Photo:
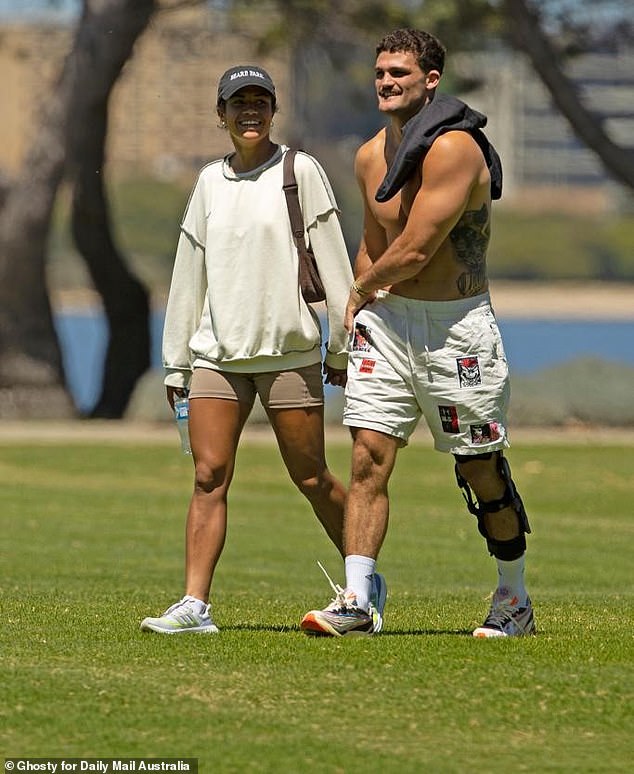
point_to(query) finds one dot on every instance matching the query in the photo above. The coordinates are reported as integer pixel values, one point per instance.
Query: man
(425, 340)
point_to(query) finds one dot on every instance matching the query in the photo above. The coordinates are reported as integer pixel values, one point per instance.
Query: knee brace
(506, 550)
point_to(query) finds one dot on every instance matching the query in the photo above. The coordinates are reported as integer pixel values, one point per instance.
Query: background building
(163, 109)
(543, 160)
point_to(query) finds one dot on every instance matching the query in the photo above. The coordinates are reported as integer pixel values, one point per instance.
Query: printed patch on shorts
(449, 419)
(469, 371)
(486, 433)
(367, 365)
(362, 341)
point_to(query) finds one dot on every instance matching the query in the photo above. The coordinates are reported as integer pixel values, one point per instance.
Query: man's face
(402, 87)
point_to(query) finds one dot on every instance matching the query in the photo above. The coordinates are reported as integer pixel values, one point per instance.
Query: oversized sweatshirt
(234, 302)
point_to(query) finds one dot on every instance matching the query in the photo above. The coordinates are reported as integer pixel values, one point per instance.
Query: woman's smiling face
(248, 113)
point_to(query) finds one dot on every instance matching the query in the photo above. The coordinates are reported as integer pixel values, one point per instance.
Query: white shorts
(443, 360)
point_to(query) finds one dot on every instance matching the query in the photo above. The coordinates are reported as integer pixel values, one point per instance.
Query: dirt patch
(566, 300)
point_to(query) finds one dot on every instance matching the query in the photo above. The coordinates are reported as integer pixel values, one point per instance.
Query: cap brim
(234, 88)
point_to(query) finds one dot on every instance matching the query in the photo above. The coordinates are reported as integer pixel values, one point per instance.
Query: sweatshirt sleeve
(321, 216)
(187, 293)
(326, 240)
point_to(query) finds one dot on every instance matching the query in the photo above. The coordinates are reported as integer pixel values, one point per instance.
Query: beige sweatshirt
(234, 302)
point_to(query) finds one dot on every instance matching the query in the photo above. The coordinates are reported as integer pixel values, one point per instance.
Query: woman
(236, 325)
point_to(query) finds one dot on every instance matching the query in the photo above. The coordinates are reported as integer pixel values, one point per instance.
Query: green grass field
(92, 541)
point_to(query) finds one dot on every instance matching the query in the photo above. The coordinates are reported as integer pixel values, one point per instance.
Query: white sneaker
(185, 616)
(341, 617)
(506, 618)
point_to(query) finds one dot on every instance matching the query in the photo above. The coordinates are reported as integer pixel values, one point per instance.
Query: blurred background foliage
(524, 246)
(328, 108)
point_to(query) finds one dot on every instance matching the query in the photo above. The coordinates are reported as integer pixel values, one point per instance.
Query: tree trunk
(105, 45)
(32, 382)
(125, 300)
(527, 35)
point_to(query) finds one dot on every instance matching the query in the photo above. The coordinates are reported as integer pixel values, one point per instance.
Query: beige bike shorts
(294, 388)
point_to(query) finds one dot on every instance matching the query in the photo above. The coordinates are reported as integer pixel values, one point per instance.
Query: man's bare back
(456, 264)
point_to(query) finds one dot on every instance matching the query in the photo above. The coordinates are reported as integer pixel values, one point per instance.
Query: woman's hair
(428, 50)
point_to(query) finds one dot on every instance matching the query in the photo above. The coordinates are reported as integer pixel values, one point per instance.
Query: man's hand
(357, 299)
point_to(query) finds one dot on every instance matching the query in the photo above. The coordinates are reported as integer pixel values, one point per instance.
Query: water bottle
(181, 412)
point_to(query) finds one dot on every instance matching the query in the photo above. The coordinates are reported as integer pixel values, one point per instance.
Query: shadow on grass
(316, 635)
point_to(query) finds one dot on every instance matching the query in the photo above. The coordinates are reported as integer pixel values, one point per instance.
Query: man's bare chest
(388, 215)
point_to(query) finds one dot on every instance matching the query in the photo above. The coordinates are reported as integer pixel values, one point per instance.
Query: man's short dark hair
(428, 50)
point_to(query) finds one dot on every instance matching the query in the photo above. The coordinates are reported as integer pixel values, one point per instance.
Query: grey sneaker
(341, 617)
(378, 596)
(185, 616)
(506, 618)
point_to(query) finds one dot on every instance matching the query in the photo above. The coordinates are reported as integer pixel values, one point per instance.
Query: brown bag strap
(310, 283)
(291, 192)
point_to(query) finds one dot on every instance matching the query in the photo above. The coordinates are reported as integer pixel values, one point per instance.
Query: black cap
(237, 78)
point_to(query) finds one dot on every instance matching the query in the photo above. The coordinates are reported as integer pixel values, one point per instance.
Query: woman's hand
(335, 376)
(173, 393)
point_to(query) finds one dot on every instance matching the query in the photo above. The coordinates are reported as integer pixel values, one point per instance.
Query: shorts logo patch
(469, 371)
(362, 341)
(486, 433)
(449, 419)
(367, 365)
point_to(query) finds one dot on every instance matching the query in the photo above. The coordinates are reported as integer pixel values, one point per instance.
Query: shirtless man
(425, 341)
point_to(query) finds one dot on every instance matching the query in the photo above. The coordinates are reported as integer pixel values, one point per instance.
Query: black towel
(443, 114)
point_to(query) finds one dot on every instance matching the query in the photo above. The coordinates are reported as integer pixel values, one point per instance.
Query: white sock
(511, 577)
(359, 572)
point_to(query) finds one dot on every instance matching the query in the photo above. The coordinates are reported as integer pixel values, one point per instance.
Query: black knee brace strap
(502, 549)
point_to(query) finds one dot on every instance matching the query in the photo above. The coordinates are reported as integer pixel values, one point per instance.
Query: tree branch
(528, 36)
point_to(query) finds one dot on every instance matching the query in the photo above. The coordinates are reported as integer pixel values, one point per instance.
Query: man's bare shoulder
(371, 151)
(455, 146)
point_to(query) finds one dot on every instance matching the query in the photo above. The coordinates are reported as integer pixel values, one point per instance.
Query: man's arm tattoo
(470, 239)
